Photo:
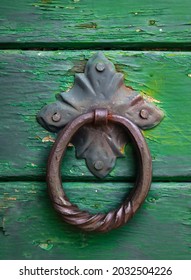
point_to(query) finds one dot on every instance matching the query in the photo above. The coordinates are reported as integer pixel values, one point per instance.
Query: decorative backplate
(99, 87)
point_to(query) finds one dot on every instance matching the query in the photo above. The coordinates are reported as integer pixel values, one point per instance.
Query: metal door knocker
(96, 115)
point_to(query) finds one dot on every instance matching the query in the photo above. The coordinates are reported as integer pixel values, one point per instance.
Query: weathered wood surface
(30, 79)
(30, 228)
(71, 22)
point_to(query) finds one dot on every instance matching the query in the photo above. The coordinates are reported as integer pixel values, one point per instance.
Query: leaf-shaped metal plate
(99, 87)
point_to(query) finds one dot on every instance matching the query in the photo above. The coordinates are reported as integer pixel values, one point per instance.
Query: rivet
(98, 165)
(100, 66)
(56, 117)
(144, 114)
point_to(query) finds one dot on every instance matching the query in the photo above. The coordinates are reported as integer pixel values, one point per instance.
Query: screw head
(98, 165)
(144, 114)
(100, 67)
(56, 117)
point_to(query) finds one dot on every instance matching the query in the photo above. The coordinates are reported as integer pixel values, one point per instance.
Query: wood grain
(160, 230)
(30, 79)
(70, 23)
(29, 227)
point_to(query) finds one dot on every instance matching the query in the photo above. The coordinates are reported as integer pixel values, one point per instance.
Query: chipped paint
(150, 99)
(32, 229)
(11, 198)
(70, 7)
(23, 146)
(32, 191)
(34, 165)
(48, 139)
(46, 246)
(70, 145)
(21, 19)
(88, 25)
(152, 22)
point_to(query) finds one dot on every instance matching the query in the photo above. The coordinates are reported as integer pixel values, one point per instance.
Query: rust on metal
(114, 219)
(99, 115)
(100, 86)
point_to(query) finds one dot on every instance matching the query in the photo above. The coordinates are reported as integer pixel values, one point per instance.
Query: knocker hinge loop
(100, 116)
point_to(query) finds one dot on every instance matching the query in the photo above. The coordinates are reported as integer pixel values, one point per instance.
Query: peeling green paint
(88, 21)
(153, 74)
(32, 229)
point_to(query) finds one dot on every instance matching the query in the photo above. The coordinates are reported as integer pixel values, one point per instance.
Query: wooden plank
(89, 21)
(30, 228)
(30, 79)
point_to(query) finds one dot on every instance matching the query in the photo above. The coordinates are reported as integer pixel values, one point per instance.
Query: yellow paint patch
(48, 139)
(150, 99)
(122, 149)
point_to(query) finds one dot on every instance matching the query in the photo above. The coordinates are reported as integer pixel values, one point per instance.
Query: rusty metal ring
(83, 219)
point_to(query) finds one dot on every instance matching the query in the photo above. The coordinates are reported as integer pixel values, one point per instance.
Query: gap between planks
(146, 46)
(92, 181)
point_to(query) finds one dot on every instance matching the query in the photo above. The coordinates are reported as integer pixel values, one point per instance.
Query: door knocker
(96, 115)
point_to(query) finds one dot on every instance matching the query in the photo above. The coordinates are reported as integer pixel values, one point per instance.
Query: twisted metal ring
(83, 219)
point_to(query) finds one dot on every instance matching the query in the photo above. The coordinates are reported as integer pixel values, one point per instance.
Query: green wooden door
(43, 44)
